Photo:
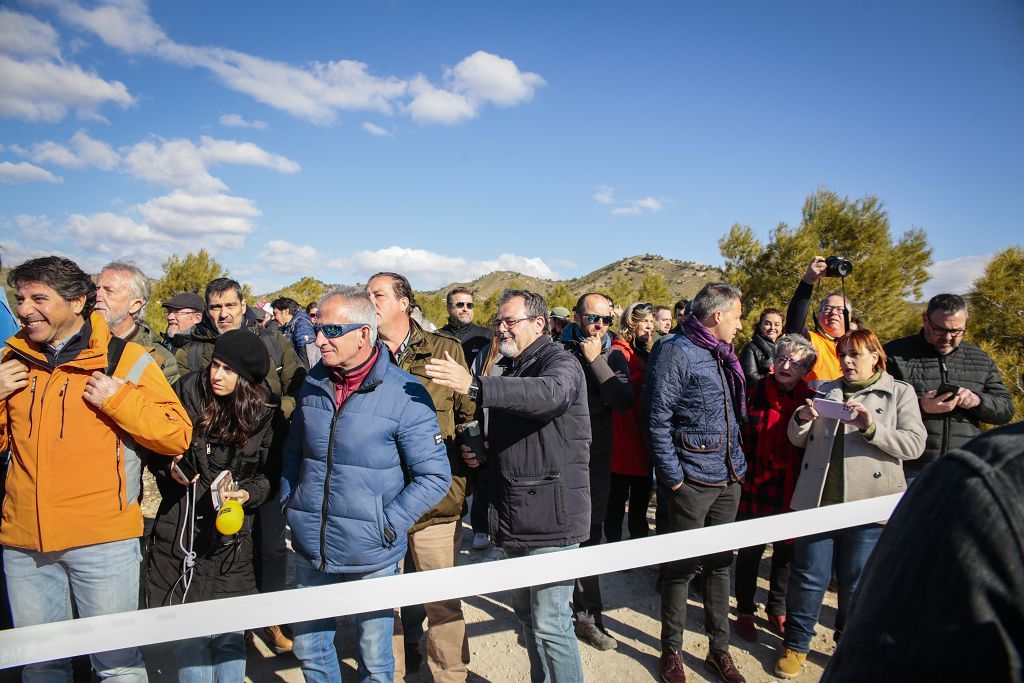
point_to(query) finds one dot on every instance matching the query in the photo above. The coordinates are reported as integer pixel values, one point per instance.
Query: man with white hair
(122, 292)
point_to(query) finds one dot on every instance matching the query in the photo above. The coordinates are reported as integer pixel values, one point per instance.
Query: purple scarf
(695, 331)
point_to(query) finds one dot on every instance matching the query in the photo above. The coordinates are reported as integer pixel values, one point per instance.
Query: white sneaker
(481, 541)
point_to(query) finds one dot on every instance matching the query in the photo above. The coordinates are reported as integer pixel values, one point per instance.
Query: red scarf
(346, 383)
(767, 422)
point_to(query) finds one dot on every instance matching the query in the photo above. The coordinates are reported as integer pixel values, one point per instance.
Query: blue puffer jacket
(692, 428)
(300, 331)
(345, 472)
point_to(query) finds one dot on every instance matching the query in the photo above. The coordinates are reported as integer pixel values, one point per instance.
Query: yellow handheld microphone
(229, 517)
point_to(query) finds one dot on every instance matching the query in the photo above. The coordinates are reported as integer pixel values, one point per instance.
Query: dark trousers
(586, 594)
(748, 562)
(271, 552)
(693, 506)
(636, 490)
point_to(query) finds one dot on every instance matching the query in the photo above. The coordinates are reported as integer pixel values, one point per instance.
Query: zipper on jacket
(117, 470)
(943, 376)
(327, 486)
(728, 425)
(32, 405)
(63, 403)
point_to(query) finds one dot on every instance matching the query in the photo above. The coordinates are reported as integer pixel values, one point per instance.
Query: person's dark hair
(536, 307)
(400, 284)
(578, 308)
(457, 290)
(61, 274)
(659, 309)
(681, 305)
(221, 285)
(771, 311)
(311, 305)
(231, 419)
(284, 303)
(714, 297)
(947, 303)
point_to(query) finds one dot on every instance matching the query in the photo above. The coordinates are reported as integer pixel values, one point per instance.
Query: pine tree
(653, 290)
(189, 274)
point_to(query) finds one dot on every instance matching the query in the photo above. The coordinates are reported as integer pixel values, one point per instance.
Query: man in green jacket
(435, 539)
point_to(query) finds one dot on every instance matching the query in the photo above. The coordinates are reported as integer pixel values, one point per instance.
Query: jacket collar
(92, 356)
(320, 376)
(886, 384)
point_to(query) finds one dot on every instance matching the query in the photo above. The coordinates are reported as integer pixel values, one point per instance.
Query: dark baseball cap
(186, 300)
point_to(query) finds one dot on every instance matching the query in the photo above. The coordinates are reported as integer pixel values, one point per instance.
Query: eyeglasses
(592, 318)
(783, 362)
(181, 311)
(464, 304)
(509, 323)
(335, 331)
(832, 309)
(945, 331)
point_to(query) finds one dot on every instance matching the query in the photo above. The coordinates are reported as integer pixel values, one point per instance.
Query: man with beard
(460, 324)
(184, 311)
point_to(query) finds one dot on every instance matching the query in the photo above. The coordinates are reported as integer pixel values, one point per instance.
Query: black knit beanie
(243, 352)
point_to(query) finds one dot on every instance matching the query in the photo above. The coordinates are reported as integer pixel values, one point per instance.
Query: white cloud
(434, 105)
(604, 194)
(637, 207)
(485, 77)
(184, 216)
(428, 269)
(374, 129)
(24, 172)
(21, 34)
(631, 210)
(317, 91)
(955, 276)
(287, 258)
(236, 121)
(36, 84)
(651, 204)
(83, 152)
(216, 151)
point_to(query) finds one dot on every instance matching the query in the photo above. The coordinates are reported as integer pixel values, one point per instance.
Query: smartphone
(185, 469)
(837, 410)
(472, 436)
(947, 388)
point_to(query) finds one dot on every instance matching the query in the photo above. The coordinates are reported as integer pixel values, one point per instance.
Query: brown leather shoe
(672, 670)
(721, 664)
(277, 640)
(745, 627)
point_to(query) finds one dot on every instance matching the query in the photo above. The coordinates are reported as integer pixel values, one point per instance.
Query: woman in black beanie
(234, 421)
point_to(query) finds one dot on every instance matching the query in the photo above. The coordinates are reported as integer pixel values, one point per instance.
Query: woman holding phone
(234, 418)
(845, 460)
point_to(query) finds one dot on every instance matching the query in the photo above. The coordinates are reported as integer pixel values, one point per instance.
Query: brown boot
(672, 670)
(721, 664)
(745, 627)
(278, 641)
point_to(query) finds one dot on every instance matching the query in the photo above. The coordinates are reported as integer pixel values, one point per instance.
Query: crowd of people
(371, 435)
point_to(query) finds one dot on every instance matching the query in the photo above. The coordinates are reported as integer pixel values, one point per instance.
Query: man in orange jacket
(72, 419)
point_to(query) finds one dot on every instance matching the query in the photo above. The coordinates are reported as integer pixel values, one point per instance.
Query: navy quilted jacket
(693, 431)
(357, 478)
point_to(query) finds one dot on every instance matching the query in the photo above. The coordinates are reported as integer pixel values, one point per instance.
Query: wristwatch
(474, 389)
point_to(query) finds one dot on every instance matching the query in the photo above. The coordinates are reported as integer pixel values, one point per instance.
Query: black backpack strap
(115, 347)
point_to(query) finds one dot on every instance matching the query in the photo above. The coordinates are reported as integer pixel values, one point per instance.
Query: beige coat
(871, 467)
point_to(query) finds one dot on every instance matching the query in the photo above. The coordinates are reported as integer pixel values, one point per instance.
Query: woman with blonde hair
(855, 457)
(631, 464)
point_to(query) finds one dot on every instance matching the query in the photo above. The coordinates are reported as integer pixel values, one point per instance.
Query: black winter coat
(539, 437)
(756, 358)
(224, 565)
(915, 361)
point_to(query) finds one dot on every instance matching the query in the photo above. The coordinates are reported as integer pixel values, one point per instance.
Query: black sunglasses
(335, 331)
(464, 304)
(591, 318)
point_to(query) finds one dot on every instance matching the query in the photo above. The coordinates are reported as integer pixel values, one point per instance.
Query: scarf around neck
(700, 336)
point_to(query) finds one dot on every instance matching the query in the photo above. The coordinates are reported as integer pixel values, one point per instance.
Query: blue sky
(444, 140)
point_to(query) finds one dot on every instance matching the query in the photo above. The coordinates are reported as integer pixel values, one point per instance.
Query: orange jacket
(74, 476)
(826, 368)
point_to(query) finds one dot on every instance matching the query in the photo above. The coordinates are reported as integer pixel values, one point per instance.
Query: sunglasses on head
(335, 331)
(464, 304)
(591, 318)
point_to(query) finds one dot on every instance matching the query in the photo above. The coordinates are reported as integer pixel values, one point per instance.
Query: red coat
(629, 454)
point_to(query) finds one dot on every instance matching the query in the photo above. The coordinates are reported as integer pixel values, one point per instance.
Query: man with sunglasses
(589, 340)
(460, 324)
(958, 384)
(436, 537)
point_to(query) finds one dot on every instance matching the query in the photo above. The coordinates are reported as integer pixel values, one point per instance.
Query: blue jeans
(313, 641)
(811, 570)
(546, 618)
(212, 659)
(102, 578)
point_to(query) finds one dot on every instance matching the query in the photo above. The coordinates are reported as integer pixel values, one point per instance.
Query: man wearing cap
(460, 324)
(558, 318)
(122, 292)
(184, 311)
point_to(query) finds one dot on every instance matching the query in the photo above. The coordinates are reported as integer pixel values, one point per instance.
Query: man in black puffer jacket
(937, 356)
(539, 447)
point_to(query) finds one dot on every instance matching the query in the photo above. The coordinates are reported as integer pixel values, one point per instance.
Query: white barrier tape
(32, 644)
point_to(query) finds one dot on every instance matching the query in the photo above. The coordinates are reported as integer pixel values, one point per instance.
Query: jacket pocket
(701, 442)
(387, 535)
(535, 505)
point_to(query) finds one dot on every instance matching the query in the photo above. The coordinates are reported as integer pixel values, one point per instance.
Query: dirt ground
(631, 615)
